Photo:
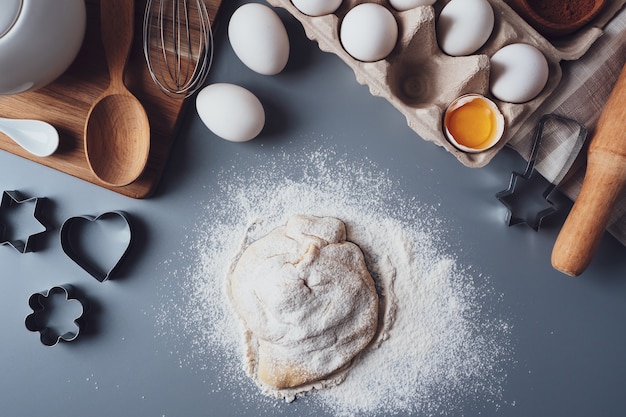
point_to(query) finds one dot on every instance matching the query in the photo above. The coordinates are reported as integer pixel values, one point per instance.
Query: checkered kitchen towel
(582, 94)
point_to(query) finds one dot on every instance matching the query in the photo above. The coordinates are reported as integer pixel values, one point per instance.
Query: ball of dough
(306, 299)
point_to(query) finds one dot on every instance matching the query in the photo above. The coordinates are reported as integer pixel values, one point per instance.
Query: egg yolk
(473, 124)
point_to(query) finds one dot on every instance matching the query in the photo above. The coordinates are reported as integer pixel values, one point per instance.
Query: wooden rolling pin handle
(603, 184)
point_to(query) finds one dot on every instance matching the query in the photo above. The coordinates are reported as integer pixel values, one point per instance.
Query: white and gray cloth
(581, 96)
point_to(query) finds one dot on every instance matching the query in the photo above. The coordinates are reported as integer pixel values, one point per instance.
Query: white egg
(369, 32)
(317, 7)
(464, 26)
(403, 5)
(519, 72)
(259, 38)
(230, 111)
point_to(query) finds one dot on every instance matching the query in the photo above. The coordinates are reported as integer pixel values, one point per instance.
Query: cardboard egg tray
(419, 80)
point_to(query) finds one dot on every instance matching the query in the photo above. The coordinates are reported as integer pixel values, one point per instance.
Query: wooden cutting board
(66, 102)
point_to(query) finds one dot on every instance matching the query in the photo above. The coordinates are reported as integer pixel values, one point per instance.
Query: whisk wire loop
(178, 44)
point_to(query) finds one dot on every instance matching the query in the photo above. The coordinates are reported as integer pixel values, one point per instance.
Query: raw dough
(306, 299)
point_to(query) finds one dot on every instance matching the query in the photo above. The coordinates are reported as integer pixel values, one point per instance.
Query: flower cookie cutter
(13, 199)
(42, 319)
(98, 244)
(512, 197)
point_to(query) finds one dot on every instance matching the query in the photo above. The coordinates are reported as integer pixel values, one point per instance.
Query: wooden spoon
(117, 132)
(603, 183)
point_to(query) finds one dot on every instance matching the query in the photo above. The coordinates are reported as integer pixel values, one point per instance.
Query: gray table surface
(568, 336)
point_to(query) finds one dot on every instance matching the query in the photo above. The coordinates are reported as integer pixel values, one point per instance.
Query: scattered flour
(444, 349)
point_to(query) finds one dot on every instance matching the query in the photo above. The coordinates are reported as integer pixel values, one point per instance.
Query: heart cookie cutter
(82, 241)
(13, 199)
(40, 320)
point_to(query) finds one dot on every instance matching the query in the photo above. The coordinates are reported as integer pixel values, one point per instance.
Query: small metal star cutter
(10, 199)
(514, 214)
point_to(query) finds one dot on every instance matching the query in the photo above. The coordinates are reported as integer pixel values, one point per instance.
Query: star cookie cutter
(510, 199)
(14, 199)
(43, 319)
(98, 244)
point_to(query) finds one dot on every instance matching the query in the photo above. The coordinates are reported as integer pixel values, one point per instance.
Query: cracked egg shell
(473, 123)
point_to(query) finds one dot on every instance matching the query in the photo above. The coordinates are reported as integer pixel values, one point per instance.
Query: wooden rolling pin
(603, 183)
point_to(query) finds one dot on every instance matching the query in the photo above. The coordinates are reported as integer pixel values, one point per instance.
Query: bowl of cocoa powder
(557, 18)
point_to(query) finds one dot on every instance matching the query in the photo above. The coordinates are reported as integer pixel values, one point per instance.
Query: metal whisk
(178, 44)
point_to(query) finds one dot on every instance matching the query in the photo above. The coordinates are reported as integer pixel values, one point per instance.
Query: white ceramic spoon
(37, 137)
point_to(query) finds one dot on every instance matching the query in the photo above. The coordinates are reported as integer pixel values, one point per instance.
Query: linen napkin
(581, 95)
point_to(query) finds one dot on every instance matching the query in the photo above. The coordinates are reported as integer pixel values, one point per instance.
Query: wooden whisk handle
(603, 184)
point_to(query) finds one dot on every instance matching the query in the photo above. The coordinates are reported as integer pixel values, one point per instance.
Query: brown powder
(563, 12)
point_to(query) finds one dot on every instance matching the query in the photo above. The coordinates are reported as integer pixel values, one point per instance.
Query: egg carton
(420, 80)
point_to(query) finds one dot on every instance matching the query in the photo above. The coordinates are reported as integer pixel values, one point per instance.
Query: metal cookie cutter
(14, 199)
(512, 200)
(44, 317)
(97, 244)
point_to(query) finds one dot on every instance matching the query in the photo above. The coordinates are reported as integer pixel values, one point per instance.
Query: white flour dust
(445, 348)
